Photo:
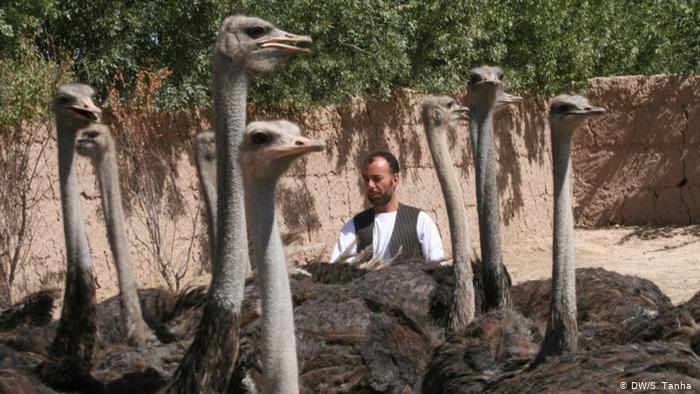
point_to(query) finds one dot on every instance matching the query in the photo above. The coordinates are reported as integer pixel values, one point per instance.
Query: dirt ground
(668, 256)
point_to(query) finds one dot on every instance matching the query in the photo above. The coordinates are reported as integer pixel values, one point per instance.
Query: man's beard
(382, 199)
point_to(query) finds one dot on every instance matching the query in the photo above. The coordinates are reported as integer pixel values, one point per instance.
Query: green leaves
(365, 47)
(27, 85)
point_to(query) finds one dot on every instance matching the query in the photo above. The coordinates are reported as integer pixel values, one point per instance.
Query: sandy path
(669, 256)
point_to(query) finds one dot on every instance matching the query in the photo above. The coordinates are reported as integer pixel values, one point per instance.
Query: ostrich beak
(286, 43)
(488, 82)
(461, 112)
(589, 111)
(507, 98)
(300, 146)
(85, 109)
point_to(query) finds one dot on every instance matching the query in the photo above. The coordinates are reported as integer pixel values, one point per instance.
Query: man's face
(380, 183)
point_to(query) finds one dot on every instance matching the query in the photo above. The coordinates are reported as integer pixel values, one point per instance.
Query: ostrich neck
(77, 249)
(279, 356)
(206, 170)
(231, 259)
(75, 334)
(463, 305)
(108, 177)
(495, 284)
(562, 333)
(210, 358)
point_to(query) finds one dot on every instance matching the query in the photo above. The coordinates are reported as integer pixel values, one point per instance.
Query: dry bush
(22, 160)
(150, 142)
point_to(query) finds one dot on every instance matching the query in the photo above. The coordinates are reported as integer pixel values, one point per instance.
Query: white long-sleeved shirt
(428, 235)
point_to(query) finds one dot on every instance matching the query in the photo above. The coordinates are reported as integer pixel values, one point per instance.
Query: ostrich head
(567, 113)
(73, 105)
(93, 141)
(255, 44)
(206, 145)
(442, 111)
(269, 147)
(485, 83)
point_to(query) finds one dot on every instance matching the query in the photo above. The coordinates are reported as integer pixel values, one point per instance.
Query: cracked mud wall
(326, 191)
(641, 163)
(638, 165)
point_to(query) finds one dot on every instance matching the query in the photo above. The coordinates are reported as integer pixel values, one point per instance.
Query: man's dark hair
(386, 155)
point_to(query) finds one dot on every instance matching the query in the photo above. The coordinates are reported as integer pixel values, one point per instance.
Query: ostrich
(566, 114)
(75, 335)
(503, 340)
(204, 148)
(245, 47)
(439, 115)
(205, 159)
(267, 150)
(96, 143)
(610, 308)
(485, 83)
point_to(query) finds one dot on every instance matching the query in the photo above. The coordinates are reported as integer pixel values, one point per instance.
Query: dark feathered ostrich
(96, 143)
(75, 335)
(440, 114)
(485, 85)
(245, 48)
(566, 115)
(605, 305)
(267, 150)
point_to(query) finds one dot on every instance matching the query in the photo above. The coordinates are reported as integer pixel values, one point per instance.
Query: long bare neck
(208, 362)
(463, 304)
(135, 328)
(280, 372)
(76, 331)
(496, 291)
(206, 172)
(562, 329)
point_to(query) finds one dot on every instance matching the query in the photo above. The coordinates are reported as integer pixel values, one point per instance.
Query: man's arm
(429, 237)
(346, 241)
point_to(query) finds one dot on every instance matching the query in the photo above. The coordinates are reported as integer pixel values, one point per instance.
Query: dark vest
(404, 233)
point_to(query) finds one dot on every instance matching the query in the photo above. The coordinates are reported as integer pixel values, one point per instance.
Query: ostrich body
(602, 370)
(35, 310)
(244, 48)
(205, 159)
(75, 335)
(484, 87)
(612, 308)
(566, 114)
(440, 114)
(96, 143)
(267, 150)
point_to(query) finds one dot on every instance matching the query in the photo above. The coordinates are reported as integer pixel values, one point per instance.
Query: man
(389, 225)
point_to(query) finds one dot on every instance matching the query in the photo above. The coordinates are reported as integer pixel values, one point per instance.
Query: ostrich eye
(254, 31)
(474, 78)
(63, 99)
(260, 138)
(500, 75)
(92, 134)
(565, 108)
